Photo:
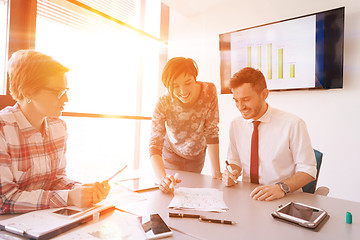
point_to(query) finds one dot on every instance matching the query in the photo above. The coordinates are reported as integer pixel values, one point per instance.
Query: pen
(228, 167)
(183, 215)
(116, 173)
(216, 221)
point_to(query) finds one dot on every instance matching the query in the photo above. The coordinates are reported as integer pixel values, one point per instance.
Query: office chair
(311, 187)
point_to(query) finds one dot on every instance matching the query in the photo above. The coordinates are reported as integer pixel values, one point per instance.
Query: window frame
(21, 35)
(23, 20)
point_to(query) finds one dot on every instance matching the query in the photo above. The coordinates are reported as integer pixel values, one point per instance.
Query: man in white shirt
(283, 160)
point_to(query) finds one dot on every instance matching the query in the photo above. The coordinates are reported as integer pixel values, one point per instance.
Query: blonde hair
(29, 71)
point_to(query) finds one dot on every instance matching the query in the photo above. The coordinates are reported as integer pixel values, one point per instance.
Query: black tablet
(302, 214)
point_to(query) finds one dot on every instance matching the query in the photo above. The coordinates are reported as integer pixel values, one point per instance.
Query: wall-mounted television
(303, 52)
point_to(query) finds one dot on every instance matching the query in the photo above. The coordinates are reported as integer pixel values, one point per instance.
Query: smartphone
(159, 229)
(302, 214)
(67, 211)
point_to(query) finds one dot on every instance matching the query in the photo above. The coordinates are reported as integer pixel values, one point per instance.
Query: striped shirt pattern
(32, 165)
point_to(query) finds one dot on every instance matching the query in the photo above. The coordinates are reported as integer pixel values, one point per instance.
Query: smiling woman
(185, 123)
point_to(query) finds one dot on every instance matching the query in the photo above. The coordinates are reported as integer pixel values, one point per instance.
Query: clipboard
(44, 224)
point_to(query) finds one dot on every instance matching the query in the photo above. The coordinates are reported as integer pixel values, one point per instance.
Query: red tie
(254, 161)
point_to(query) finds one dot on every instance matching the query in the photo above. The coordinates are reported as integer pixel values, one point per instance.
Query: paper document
(201, 199)
(119, 226)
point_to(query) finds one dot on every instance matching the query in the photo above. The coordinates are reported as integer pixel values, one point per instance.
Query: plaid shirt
(32, 165)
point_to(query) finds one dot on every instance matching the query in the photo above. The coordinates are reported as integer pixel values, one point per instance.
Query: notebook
(45, 224)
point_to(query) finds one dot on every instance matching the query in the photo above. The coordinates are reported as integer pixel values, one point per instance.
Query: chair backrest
(311, 186)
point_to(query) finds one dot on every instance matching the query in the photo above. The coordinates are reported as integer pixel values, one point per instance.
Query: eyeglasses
(58, 93)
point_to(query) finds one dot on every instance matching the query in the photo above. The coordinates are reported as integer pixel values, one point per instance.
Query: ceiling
(192, 7)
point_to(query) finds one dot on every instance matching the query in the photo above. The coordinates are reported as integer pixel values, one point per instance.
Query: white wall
(332, 116)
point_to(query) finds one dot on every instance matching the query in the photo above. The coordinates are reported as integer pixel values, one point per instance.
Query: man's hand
(80, 197)
(100, 191)
(230, 178)
(267, 193)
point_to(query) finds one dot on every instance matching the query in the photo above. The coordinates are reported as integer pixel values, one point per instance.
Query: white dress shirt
(284, 146)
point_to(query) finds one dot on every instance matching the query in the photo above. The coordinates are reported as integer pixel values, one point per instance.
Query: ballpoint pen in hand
(228, 167)
(116, 173)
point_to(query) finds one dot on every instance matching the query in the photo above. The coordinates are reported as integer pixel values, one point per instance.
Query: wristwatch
(284, 187)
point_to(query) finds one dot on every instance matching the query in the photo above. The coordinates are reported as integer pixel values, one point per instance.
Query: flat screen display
(304, 52)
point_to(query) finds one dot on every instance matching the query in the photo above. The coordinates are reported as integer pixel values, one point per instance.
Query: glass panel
(104, 65)
(144, 161)
(105, 59)
(110, 65)
(98, 147)
(3, 44)
(127, 11)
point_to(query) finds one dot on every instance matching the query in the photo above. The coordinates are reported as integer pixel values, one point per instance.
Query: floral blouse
(187, 129)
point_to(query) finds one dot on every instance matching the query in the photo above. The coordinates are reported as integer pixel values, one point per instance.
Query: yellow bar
(280, 63)
(292, 70)
(259, 57)
(269, 60)
(249, 56)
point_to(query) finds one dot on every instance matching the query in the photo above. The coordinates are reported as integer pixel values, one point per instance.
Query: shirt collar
(264, 118)
(24, 125)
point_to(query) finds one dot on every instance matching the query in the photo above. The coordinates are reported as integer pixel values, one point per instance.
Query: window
(114, 71)
(3, 44)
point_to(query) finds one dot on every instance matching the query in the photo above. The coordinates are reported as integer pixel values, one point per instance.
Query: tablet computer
(302, 214)
(138, 184)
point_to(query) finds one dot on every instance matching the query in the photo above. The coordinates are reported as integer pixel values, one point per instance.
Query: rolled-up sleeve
(158, 129)
(211, 129)
(301, 148)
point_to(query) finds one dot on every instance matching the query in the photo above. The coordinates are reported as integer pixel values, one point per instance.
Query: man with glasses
(33, 140)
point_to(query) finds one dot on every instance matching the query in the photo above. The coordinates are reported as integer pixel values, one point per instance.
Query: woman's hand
(168, 183)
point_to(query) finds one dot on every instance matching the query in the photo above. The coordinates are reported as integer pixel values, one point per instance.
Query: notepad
(201, 199)
(45, 224)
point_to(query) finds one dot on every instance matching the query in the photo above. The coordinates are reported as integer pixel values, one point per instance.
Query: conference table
(253, 218)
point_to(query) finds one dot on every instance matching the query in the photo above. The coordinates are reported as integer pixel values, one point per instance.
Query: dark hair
(248, 75)
(175, 67)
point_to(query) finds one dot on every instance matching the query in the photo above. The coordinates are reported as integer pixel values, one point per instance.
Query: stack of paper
(201, 199)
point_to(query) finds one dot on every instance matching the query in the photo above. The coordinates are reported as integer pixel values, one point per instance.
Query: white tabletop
(254, 220)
